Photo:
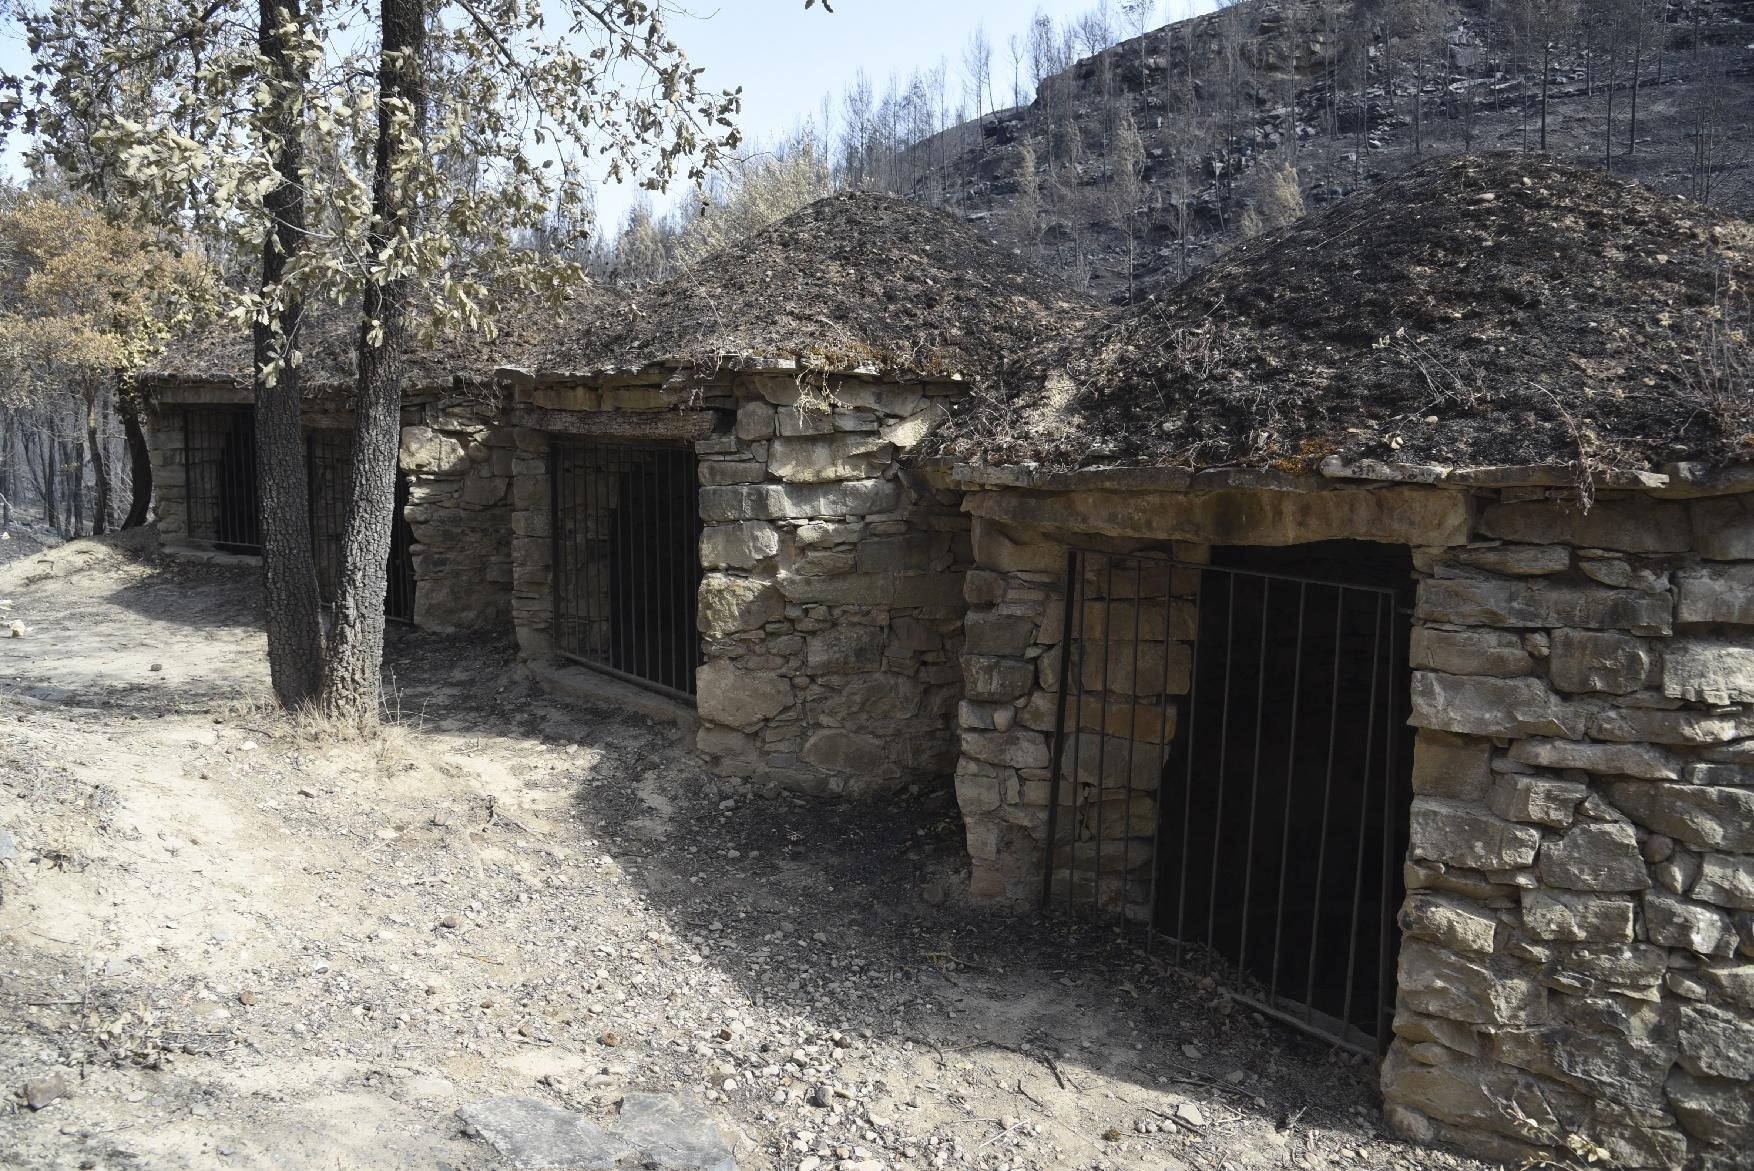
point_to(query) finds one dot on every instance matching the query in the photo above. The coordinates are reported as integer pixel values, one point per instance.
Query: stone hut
(714, 496)
(1372, 618)
(450, 566)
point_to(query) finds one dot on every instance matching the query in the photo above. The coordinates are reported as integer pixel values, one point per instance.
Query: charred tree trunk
(352, 687)
(139, 460)
(295, 633)
(100, 468)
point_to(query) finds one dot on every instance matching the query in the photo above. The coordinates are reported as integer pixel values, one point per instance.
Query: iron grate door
(1231, 766)
(626, 530)
(329, 478)
(219, 466)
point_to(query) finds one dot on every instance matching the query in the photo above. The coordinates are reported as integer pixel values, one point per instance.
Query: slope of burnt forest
(1249, 115)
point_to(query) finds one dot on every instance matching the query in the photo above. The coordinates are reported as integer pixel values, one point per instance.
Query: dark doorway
(627, 559)
(219, 463)
(1284, 799)
(329, 480)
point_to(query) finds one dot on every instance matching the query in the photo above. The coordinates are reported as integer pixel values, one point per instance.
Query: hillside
(1247, 116)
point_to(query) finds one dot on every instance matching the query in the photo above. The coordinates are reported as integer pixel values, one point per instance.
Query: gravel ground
(233, 940)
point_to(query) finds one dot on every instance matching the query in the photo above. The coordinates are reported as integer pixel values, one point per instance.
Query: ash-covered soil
(230, 940)
(1476, 310)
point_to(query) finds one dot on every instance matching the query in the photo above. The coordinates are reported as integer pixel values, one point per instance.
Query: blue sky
(786, 59)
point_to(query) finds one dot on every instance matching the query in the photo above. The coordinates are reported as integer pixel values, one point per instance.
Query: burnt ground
(240, 942)
(1495, 309)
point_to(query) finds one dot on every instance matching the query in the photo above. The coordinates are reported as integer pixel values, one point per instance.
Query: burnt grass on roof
(1481, 310)
(854, 279)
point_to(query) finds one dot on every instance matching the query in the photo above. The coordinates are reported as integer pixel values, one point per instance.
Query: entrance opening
(329, 479)
(219, 464)
(626, 527)
(1285, 796)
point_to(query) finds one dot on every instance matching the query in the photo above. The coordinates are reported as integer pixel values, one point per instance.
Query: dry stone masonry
(1577, 954)
(831, 605)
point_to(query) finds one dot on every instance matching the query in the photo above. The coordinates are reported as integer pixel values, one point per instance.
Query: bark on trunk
(295, 632)
(351, 689)
(139, 462)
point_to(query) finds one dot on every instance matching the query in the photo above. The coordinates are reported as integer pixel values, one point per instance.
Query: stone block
(1627, 760)
(726, 605)
(1007, 550)
(1633, 525)
(847, 589)
(737, 698)
(1541, 603)
(1458, 924)
(1634, 965)
(1715, 1041)
(1441, 983)
(1706, 817)
(1718, 1111)
(1670, 921)
(1616, 572)
(1725, 880)
(1480, 651)
(1111, 762)
(755, 420)
(883, 696)
(1535, 799)
(1708, 671)
(845, 648)
(978, 794)
(1571, 917)
(1515, 560)
(799, 419)
(1715, 593)
(1723, 527)
(739, 545)
(992, 633)
(1588, 660)
(992, 679)
(909, 432)
(826, 562)
(1446, 765)
(889, 398)
(1461, 834)
(839, 750)
(1018, 748)
(1704, 772)
(912, 552)
(1482, 706)
(1136, 669)
(1670, 727)
(983, 587)
(1594, 857)
(432, 452)
(718, 472)
(824, 458)
(1145, 723)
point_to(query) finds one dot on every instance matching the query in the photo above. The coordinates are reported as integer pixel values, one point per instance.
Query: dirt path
(239, 944)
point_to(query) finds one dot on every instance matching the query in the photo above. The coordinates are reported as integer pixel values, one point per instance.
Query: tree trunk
(139, 461)
(1546, 74)
(351, 690)
(100, 468)
(295, 631)
(50, 513)
(77, 527)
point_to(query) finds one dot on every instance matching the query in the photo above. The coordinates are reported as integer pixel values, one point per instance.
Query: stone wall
(458, 460)
(1579, 922)
(832, 602)
(1578, 927)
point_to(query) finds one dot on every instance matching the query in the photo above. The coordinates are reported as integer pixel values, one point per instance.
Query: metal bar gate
(1228, 768)
(626, 532)
(219, 468)
(329, 479)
